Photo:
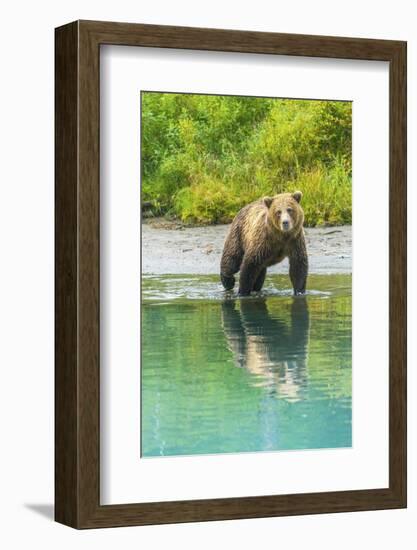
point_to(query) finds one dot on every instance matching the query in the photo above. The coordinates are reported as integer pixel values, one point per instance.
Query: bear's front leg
(249, 273)
(299, 266)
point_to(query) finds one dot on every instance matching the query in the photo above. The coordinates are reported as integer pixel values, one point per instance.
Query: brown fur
(263, 234)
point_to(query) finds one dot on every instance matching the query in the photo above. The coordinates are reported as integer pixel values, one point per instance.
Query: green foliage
(327, 196)
(205, 157)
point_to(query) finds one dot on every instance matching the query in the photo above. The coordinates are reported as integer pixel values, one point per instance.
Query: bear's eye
(289, 210)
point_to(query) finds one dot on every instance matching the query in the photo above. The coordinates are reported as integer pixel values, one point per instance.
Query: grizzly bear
(262, 234)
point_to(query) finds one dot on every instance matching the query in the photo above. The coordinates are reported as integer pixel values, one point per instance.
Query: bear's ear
(297, 196)
(267, 201)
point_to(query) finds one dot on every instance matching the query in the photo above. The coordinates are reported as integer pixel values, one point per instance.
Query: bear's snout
(286, 223)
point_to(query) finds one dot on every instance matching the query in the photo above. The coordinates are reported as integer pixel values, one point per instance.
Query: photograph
(208, 262)
(230, 319)
(246, 274)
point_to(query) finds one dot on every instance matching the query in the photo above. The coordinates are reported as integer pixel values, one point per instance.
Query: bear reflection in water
(273, 348)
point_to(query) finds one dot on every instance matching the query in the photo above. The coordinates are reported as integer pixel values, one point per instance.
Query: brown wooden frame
(77, 360)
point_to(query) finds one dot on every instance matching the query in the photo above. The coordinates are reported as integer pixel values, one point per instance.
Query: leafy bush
(204, 157)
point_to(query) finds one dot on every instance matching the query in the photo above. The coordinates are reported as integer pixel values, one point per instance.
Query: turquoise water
(264, 373)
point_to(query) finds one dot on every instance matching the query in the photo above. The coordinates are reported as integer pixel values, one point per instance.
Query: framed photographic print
(230, 274)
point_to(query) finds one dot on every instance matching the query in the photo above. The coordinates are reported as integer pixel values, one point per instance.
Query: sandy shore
(171, 248)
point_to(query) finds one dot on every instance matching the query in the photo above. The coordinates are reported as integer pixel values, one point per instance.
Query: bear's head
(285, 212)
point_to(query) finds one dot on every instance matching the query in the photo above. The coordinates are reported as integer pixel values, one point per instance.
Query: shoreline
(169, 247)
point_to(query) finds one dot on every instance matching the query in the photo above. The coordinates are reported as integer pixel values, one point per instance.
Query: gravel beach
(171, 248)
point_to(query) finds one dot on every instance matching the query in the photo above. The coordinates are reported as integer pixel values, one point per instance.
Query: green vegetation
(205, 157)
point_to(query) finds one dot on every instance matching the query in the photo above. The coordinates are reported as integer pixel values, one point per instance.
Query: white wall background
(26, 275)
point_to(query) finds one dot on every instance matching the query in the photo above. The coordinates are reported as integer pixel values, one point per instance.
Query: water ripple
(165, 288)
